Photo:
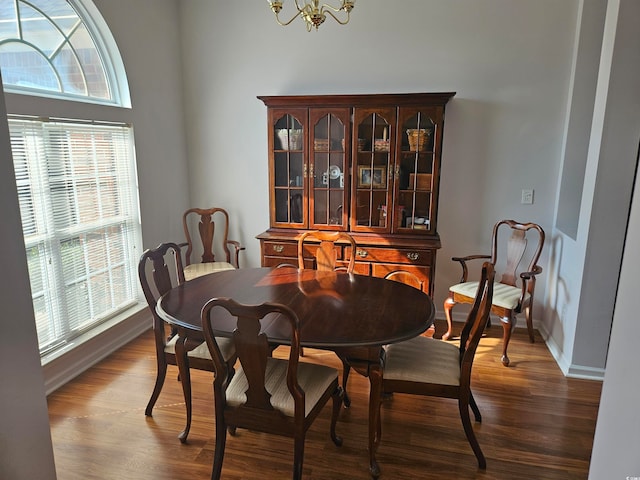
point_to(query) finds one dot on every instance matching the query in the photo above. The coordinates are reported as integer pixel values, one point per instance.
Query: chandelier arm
(284, 24)
(326, 7)
(329, 12)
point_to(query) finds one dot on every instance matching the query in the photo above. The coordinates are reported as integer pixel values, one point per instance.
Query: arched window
(60, 48)
(76, 179)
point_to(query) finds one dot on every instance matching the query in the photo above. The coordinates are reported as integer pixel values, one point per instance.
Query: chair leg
(162, 373)
(507, 324)
(474, 408)
(338, 397)
(463, 406)
(346, 368)
(185, 380)
(448, 305)
(529, 318)
(298, 457)
(221, 440)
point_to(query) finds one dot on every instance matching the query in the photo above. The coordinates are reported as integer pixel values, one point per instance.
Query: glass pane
(335, 207)
(282, 206)
(320, 207)
(288, 134)
(288, 158)
(23, 66)
(77, 302)
(60, 12)
(8, 21)
(372, 172)
(38, 30)
(416, 172)
(328, 170)
(71, 75)
(92, 65)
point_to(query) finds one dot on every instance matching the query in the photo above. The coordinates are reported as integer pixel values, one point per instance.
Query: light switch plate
(527, 196)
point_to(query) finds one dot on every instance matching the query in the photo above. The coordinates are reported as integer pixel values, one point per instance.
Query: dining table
(350, 314)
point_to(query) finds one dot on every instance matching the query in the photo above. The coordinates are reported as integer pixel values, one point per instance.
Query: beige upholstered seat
(159, 270)
(437, 361)
(424, 366)
(201, 224)
(277, 396)
(313, 379)
(504, 296)
(513, 293)
(198, 269)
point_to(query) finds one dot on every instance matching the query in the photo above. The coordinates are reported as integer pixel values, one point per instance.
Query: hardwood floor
(537, 424)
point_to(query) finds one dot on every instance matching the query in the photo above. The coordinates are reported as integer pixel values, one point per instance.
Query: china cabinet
(365, 164)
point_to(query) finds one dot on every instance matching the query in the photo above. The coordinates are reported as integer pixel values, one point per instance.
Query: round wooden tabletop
(335, 309)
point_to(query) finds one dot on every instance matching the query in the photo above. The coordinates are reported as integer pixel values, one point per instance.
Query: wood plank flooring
(537, 424)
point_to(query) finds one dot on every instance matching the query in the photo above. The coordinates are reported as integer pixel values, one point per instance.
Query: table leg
(185, 380)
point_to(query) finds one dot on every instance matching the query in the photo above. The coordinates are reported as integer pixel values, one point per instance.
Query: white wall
(24, 420)
(583, 289)
(617, 442)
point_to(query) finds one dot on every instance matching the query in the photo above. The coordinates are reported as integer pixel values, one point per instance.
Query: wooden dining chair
(159, 270)
(322, 248)
(431, 367)
(513, 293)
(414, 281)
(200, 226)
(266, 394)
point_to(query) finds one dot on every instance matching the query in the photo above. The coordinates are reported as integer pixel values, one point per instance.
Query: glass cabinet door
(416, 171)
(289, 169)
(328, 170)
(373, 143)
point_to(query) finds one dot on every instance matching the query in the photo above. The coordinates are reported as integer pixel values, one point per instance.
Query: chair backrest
(158, 276)
(407, 278)
(476, 322)
(204, 232)
(516, 246)
(326, 254)
(253, 350)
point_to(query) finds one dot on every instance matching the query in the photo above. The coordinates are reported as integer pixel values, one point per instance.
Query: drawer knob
(413, 256)
(361, 253)
(278, 248)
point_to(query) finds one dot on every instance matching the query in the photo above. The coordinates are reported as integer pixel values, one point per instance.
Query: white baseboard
(86, 351)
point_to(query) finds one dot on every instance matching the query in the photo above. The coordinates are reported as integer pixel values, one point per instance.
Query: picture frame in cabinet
(375, 177)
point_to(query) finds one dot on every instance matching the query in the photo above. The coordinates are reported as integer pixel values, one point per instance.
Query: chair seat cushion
(199, 269)
(504, 296)
(226, 346)
(313, 379)
(424, 360)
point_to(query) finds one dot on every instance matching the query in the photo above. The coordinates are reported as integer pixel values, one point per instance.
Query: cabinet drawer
(277, 261)
(412, 256)
(280, 249)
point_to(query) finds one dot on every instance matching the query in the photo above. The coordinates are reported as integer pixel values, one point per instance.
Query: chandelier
(313, 13)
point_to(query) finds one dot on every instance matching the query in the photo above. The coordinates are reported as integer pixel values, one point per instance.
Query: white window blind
(79, 204)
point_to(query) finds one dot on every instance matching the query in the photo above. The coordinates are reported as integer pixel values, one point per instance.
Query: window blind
(78, 199)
